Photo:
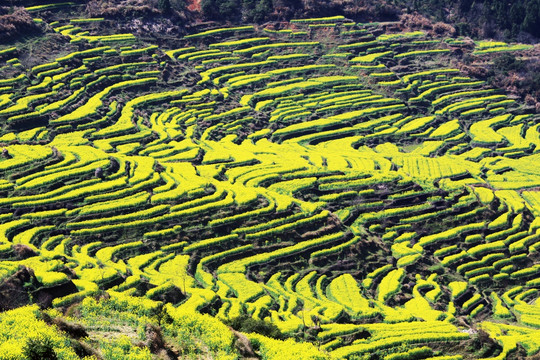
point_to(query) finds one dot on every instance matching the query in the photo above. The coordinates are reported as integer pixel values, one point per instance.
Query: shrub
(247, 324)
(40, 348)
(507, 62)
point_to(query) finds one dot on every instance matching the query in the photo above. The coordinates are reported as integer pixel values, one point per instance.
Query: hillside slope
(313, 189)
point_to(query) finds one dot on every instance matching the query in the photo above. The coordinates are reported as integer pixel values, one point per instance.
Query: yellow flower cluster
(19, 326)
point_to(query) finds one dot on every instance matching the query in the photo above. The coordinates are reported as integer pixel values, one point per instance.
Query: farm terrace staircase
(325, 175)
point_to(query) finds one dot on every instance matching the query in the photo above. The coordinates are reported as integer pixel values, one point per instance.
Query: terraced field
(339, 180)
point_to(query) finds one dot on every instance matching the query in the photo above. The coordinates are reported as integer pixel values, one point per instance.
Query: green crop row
(452, 96)
(486, 260)
(479, 271)
(516, 47)
(96, 101)
(172, 53)
(163, 233)
(41, 86)
(245, 215)
(224, 254)
(8, 50)
(233, 112)
(209, 198)
(258, 48)
(138, 305)
(271, 224)
(356, 184)
(422, 52)
(288, 226)
(228, 44)
(123, 226)
(63, 175)
(51, 72)
(138, 52)
(219, 31)
(48, 6)
(123, 67)
(348, 117)
(288, 89)
(477, 310)
(63, 76)
(169, 195)
(316, 20)
(358, 45)
(88, 20)
(326, 25)
(188, 54)
(370, 58)
(444, 88)
(61, 104)
(243, 66)
(344, 290)
(244, 289)
(417, 353)
(499, 310)
(315, 100)
(467, 104)
(24, 103)
(218, 56)
(399, 211)
(7, 228)
(75, 191)
(209, 243)
(482, 131)
(124, 123)
(156, 292)
(473, 300)
(524, 243)
(374, 346)
(197, 210)
(489, 247)
(400, 36)
(142, 214)
(81, 54)
(336, 249)
(107, 39)
(86, 289)
(363, 102)
(106, 254)
(449, 234)
(508, 235)
(43, 67)
(415, 76)
(450, 259)
(390, 284)
(23, 117)
(527, 272)
(242, 264)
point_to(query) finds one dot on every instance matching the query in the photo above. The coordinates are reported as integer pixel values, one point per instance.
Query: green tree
(506, 62)
(179, 5)
(262, 10)
(230, 10)
(210, 9)
(164, 5)
(531, 23)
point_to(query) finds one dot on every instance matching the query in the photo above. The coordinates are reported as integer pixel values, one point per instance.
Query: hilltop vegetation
(315, 189)
(508, 19)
